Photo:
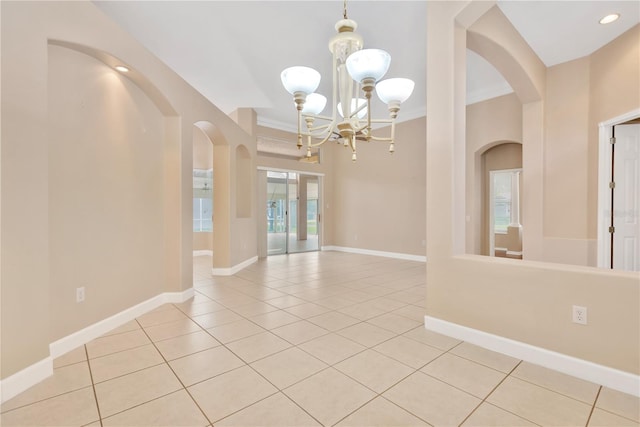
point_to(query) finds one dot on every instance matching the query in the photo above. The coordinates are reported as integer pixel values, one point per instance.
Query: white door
(626, 198)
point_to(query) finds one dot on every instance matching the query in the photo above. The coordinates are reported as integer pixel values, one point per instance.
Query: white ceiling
(233, 51)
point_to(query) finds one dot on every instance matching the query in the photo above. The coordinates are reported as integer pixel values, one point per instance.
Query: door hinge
(612, 140)
(612, 229)
(612, 185)
(318, 217)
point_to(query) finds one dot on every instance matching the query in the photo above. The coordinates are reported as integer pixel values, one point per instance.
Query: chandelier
(356, 71)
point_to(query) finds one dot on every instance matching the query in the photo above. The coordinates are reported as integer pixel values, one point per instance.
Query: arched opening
(202, 196)
(500, 194)
(215, 156)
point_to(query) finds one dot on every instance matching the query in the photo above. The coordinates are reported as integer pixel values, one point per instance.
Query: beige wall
(141, 202)
(526, 301)
(379, 201)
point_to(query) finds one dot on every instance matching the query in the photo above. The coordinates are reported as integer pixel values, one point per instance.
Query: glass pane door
(304, 227)
(292, 213)
(276, 213)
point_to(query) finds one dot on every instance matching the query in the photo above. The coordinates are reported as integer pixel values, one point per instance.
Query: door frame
(605, 132)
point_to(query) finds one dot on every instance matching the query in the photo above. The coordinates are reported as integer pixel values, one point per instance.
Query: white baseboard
(203, 253)
(28, 377)
(603, 375)
(31, 375)
(233, 270)
(396, 255)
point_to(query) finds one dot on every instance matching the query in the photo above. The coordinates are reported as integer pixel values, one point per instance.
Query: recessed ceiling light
(122, 68)
(610, 18)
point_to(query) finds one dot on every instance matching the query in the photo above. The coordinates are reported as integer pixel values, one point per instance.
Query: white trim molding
(31, 375)
(605, 130)
(28, 377)
(625, 382)
(233, 270)
(203, 252)
(396, 255)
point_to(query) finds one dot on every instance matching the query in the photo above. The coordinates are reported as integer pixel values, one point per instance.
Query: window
(502, 200)
(202, 200)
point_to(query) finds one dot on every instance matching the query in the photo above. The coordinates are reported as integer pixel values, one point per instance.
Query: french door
(293, 201)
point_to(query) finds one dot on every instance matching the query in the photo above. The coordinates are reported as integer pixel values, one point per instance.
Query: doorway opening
(619, 193)
(292, 212)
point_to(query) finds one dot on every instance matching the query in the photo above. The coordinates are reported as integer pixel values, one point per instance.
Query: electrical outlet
(80, 294)
(579, 315)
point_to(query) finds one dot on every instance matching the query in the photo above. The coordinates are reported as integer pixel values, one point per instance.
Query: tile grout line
(491, 392)
(593, 407)
(93, 385)
(178, 378)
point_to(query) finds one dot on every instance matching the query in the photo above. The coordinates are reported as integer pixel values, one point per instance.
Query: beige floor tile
(274, 411)
(172, 329)
(196, 309)
(409, 352)
(601, 418)
(114, 343)
(576, 388)
(125, 392)
(175, 409)
(431, 338)
(64, 379)
(381, 413)
(217, 318)
(304, 311)
(254, 309)
(159, 317)
(286, 301)
(431, 400)
(489, 415)
(126, 327)
(331, 348)
(333, 321)
(74, 356)
(235, 300)
(363, 311)
(205, 364)
(464, 374)
(234, 390)
(366, 334)
(412, 312)
(299, 332)
(288, 367)
(124, 362)
(619, 403)
(329, 395)
(71, 409)
(235, 331)
(394, 323)
(498, 361)
(184, 345)
(374, 370)
(258, 346)
(274, 319)
(335, 302)
(538, 404)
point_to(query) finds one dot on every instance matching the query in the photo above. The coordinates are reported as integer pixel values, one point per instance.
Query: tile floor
(309, 339)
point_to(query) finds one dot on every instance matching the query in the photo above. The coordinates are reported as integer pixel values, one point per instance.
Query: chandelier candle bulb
(356, 72)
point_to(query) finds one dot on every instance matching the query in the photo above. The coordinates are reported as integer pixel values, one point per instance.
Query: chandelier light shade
(314, 104)
(394, 90)
(300, 79)
(368, 64)
(356, 72)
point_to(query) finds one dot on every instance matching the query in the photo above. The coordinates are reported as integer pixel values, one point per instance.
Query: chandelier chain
(345, 9)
